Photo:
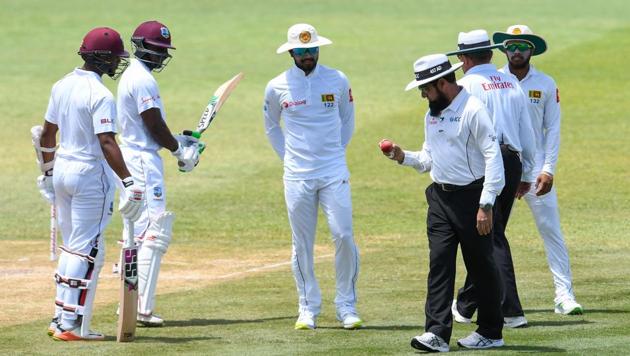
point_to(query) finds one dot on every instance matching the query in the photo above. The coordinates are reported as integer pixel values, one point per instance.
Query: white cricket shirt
(318, 115)
(137, 92)
(544, 110)
(460, 146)
(82, 107)
(507, 106)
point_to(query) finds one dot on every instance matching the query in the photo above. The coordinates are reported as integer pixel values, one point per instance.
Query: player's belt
(478, 184)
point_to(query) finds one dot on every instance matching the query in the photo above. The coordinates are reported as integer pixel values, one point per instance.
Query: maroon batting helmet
(103, 40)
(153, 32)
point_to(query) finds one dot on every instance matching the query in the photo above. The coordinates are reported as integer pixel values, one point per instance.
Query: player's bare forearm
(112, 154)
(49, 140)
(158, 129)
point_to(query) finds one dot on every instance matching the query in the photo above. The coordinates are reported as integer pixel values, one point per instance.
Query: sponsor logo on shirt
(149, 98)
(496, 84)
(107, 121)
(433, 120)
(537, 94)
(455, 119)
(288, 104)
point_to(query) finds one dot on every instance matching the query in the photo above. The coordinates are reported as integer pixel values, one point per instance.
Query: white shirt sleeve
(482, 130)
(528, 142)
(147, 95)
(420, 160)
(51, 111)
(271, 113)
(104, 114)
(551, 125)
(346, 112)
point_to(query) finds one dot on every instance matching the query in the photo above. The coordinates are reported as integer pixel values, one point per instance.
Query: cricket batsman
(77, 177)
(143, 133)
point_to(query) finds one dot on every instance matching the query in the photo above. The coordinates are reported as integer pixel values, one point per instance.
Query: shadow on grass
(172, 340)
(558, 323)
(530, 348)
(586, 311)
(379, 327)
(208, 322)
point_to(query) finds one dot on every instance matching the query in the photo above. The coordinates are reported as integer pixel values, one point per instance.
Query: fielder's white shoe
(151, 320)
(569, 307)
(457, 316)
(350, 319)
(429, 342)
(306, 321)
(514, 322)
(478, 341)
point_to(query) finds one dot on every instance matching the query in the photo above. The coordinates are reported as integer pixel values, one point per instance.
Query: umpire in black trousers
(461, 153)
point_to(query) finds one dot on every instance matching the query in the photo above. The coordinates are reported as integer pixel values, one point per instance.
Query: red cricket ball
(386, 146)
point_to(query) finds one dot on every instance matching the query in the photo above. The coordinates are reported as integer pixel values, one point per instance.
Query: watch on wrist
(485, 207)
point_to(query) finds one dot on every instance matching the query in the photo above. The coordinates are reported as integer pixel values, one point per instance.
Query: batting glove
(46, 189)
(131, 209)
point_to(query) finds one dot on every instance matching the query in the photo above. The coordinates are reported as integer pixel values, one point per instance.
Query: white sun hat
(473, 41)
(302, 35)
(430, 68)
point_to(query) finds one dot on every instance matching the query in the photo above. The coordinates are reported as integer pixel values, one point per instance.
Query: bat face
(128, 312)
(128, 295)
(217, 100)
(208, 114)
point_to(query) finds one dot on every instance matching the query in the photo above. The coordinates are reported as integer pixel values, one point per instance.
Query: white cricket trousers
(84, 194)
(147, 171)
(547, 217)
(303, 198)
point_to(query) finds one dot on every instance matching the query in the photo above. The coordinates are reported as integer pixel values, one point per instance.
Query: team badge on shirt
(536, 94)
(157, 192)
(328, 98)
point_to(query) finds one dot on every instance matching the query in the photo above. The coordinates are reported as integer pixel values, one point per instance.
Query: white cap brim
(417, 83)
(321, 41)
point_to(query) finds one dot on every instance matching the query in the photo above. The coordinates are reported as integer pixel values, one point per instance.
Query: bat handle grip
(195, 134)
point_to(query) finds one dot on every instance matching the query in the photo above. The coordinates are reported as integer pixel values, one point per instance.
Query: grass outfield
(226, 287)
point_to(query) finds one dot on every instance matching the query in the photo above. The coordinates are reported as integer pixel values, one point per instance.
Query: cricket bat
(128, 288)
(216, 102)
(36, 134)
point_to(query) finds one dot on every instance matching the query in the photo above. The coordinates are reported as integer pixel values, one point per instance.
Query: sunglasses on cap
(303, 51)
(521, 46)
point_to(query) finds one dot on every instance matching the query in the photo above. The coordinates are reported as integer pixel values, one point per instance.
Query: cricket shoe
(349, 319)
(75, 335)
(306, 321)
(150, 320)
(457, 316)
(429, 342)
(514, 322)
(569, 307)
(53, 327)
(478, 341)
